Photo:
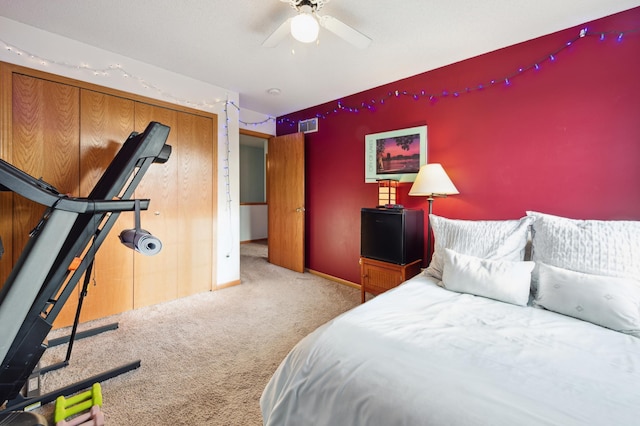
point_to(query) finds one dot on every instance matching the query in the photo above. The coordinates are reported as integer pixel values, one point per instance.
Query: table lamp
(432, 181)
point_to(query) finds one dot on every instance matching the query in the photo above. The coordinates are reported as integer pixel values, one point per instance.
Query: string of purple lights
(434, 96)
(341, 106)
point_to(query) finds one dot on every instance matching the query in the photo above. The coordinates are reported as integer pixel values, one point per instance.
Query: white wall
(31, 47)
(253, 222)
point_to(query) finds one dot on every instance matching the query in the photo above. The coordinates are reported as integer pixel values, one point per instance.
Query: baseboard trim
(227, 285)
(332, 278)
(259, 240)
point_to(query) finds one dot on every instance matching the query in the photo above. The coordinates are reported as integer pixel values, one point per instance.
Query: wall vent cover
(308, 126)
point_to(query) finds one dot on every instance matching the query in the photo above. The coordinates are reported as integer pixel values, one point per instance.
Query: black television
(392, 235)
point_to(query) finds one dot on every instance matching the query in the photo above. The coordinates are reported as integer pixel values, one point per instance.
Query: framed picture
(397, 154)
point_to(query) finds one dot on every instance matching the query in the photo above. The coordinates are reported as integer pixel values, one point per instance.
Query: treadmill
(59, 251)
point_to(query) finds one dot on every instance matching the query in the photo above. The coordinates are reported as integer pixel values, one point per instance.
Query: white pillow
(486, 239)
(607, 301)
(598, 247)
(502, 280)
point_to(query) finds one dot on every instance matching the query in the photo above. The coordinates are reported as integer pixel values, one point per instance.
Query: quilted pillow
(599, 247)
(486, 239)
(502, 280)
(611, 302)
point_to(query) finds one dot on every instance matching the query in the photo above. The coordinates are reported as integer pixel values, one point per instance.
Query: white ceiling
(219, 41)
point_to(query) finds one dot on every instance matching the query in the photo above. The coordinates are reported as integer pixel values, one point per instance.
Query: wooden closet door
(67, 132)
(195, 204)
(156, 277)
(45, 123)
(106, 122)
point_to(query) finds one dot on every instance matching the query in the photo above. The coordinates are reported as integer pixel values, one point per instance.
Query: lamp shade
(304, 27)
(431, 181)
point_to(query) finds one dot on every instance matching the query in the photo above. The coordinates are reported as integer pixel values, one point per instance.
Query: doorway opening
(253, 187)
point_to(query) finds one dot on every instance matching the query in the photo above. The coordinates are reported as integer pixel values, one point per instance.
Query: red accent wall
(564, 139)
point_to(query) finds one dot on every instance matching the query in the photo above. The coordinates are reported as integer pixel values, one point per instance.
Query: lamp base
(391, 206)
(429, 249)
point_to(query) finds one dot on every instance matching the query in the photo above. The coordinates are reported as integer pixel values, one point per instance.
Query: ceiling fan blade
(344, 31)
(279, 34)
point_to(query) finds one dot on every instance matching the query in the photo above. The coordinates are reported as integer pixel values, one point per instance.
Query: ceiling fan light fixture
(305, 28)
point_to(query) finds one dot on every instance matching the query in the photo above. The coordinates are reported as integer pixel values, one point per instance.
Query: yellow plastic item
(67, 407)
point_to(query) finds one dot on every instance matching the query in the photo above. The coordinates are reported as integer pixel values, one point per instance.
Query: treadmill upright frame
(70, 229)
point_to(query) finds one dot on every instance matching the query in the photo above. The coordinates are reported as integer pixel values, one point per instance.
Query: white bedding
(423, 355)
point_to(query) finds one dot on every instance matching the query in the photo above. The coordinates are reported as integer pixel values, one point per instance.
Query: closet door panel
(6, 197)
(156, 277)
(106, 122)
(45, 143)
(45, 121)
(195, 204)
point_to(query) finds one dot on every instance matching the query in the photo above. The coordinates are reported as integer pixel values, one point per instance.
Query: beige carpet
(205, 358)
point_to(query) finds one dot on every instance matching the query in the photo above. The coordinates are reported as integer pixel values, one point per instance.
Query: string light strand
(433, 97)
(118, 69)
(340, 107)
(255, 123)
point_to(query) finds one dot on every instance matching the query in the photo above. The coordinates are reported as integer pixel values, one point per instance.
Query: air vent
(308, 126)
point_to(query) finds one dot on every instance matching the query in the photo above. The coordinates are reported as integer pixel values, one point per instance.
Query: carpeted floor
(205, 358)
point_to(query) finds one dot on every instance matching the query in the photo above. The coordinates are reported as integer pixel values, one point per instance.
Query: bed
(483, 336)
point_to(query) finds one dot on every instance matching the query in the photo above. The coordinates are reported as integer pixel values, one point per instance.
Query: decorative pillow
(502, 280)
(611, 302)
(486, 239)
(598, 247)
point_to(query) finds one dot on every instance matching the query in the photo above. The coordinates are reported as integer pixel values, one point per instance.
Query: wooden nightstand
(377, 277)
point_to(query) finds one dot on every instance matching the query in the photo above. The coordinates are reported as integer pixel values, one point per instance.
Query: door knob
(300, 209)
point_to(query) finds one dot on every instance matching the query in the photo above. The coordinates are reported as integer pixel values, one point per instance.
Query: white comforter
(423, 355)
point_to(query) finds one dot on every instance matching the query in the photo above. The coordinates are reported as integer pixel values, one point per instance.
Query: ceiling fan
(306, 24)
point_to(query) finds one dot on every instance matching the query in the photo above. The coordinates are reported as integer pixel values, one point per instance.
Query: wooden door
(195, 203)
(156, 277)
(45, 144)
(105, 123)
(285, 199)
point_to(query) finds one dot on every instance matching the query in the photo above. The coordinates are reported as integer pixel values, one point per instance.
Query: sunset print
(400, 154)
